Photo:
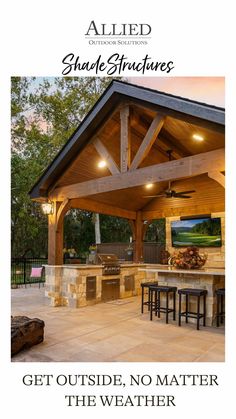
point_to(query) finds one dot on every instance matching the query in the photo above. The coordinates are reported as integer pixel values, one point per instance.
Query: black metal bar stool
(146, 285)
(155, 300)
(220, 306)
(194, 292)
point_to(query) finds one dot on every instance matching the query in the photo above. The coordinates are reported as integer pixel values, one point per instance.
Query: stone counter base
(209, 282)
(67, 286)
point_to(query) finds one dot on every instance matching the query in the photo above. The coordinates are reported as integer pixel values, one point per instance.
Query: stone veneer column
(53, 286)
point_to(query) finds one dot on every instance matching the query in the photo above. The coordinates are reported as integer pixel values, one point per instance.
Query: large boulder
(25, 332)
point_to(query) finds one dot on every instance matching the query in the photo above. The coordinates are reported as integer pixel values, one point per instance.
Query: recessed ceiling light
(102, 164)
(198, 137)
(149, 185)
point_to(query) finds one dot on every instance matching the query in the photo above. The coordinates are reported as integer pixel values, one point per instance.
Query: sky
(187, 223)
(209, 90)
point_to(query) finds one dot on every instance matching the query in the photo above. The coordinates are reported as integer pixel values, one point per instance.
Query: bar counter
(209, 278)
(167, 268)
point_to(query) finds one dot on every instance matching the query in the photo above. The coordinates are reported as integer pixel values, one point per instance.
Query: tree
(45, 112)
(96, 220)
(114, 229)
(28, 158)
(156, 231)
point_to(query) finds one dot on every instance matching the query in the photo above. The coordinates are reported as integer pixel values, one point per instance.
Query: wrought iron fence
(21, 271)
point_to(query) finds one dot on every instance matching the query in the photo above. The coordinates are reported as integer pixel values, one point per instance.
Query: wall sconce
(47, 208)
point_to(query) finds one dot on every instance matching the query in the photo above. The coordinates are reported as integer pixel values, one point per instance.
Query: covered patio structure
(134, 143)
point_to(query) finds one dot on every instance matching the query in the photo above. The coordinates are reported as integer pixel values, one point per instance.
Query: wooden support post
(125, 148)
(138, 244)
(55, 236)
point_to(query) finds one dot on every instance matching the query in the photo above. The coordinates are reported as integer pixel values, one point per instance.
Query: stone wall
(66, 285)
(216, 255)
(208, 282)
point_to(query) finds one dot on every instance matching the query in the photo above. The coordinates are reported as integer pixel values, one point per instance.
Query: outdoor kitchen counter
(92, 266)
(80, 285)
(209, 278)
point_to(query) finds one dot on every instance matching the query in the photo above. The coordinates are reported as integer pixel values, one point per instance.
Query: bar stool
(146, 285)
(220, 303)
(192, 314)
(155, 305)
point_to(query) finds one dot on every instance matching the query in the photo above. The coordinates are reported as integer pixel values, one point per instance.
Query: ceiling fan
(171, 193)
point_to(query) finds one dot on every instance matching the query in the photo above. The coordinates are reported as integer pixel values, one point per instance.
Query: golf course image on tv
(201, 232)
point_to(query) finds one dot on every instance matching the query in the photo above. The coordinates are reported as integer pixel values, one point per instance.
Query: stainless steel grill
(110, 264)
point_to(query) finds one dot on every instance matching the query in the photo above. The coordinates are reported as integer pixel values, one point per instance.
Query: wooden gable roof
(77, 160)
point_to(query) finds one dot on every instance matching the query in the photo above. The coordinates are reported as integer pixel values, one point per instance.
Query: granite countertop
(90, 266)
(168, 269)
(146, 267)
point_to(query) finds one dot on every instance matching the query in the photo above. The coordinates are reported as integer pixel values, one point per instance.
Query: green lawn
(195, 239)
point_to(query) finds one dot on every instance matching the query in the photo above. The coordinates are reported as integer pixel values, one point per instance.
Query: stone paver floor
(112, 332)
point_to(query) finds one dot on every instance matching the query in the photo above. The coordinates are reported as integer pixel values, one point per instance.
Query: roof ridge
(161, 92)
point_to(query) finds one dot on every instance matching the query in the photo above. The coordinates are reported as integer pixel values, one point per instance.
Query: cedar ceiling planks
(132, 198)
(175, 134)
(83, 168)
(208, 193)
(178, 133)
(183, 131)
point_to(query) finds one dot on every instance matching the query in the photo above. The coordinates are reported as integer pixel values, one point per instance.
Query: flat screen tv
(200, 232)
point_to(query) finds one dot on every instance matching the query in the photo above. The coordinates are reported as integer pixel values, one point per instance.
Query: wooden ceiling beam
(148, 141)
(217, 176)
(139, 122)
(125, 141)
(105, 155)
(158, 145)
(101, 208)
(64, 207)
(171, 170)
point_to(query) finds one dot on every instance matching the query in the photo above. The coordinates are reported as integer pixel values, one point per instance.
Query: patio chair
(37, 272)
